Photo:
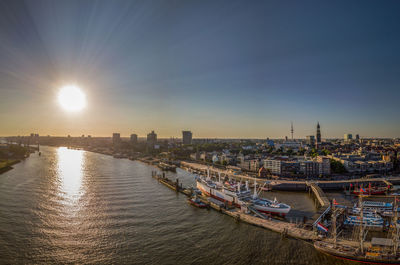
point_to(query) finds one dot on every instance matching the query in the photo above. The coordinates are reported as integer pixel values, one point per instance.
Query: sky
(226, 69)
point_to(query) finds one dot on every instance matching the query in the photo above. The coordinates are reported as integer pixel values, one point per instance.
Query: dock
(252, 217)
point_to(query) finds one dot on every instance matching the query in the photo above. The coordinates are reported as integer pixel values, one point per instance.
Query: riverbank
(7, 165)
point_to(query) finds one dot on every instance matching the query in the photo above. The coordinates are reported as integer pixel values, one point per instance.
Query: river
(72, 206)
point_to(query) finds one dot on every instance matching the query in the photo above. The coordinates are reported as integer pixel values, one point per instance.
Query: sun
(72, 98)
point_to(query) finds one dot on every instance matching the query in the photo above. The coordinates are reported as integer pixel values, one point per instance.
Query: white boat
(272, 207)
(237, 195)
(231, 194)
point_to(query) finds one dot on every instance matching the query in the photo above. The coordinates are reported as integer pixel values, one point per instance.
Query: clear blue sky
(218, 68)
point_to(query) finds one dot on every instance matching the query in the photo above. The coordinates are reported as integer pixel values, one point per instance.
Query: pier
(318, 193)
(252, 217)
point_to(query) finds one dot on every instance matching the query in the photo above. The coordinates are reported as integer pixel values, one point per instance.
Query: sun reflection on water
(70, 173)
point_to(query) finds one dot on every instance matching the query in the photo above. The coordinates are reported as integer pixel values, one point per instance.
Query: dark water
(72, 206)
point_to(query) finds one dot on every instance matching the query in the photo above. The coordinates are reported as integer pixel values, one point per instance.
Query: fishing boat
(196, 202)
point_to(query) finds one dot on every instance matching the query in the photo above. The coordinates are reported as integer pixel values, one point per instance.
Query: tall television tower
(291, 129)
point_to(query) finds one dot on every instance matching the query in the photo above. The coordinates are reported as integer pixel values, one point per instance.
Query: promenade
(282, 184)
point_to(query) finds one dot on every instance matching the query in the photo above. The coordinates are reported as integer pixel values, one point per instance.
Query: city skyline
(238, 71)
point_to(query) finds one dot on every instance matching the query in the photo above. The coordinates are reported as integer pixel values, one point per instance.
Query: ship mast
(334, 229)
(361, 224)
(395, 230)
(255, 189)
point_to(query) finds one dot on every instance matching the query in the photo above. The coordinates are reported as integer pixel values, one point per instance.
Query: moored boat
(196, 202)
(236, 194)
(354, 253)
(371, 190)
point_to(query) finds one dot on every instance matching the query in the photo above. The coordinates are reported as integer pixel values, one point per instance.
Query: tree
(326, 152)
(337, 167)
(313, 153)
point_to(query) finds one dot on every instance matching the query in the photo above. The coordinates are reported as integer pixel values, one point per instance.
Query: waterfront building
(134, 139)
(281, 166)
(369, 162)
(324, 165)
(116, 139)
(309, 168)
(274, 166)
(186, 137)
(151, 138)
(318, 135)
(250, 165)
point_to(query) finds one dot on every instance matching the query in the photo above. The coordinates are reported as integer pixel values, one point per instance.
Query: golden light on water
(72, 98)
(70, 172)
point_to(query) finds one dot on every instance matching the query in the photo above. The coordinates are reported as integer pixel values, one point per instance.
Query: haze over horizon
(225, 69)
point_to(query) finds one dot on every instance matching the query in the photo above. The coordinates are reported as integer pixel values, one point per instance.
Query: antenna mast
(291, 129)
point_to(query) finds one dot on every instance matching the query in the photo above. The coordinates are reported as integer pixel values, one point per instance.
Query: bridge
(318, 193)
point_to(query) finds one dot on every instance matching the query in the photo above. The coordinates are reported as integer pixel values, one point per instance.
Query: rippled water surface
(73, 206)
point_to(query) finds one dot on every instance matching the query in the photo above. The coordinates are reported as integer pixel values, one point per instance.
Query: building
(270, 143)
(133, 138)
(116, 139)
(152, 138)
(274, 166)
(186, 137)
(348, 137)
(318, 136)
(309, 168)
(295, 146)
(281, 166)
(324, 165)
(357, 137)
(250, 165)
(311, 140)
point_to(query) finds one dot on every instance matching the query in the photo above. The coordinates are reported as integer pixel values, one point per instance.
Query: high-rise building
(116, 139)
(152, 138)
(186, 137)
(133, 138)
(311, 140)
(348, 137)
(357, 137)
(318, 136)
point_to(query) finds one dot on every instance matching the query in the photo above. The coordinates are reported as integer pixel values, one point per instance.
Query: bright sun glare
(71, 98)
